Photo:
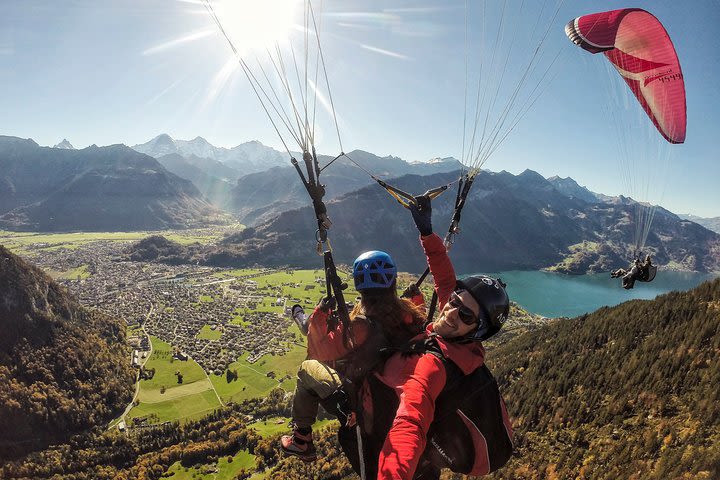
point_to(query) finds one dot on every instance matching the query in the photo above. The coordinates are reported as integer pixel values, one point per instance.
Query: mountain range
(65, 144)
(259, 197)
(212, 178)
(709, 223)
(245, 158)
(111, 188)
(509, 222)
(256, 182)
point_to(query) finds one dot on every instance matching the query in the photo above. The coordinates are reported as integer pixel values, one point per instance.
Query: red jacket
(327, 345)
(418, 380)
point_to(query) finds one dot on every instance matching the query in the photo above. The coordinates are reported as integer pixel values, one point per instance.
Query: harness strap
(316, 191)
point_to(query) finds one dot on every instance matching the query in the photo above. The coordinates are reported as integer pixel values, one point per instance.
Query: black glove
(421, 211)
(411, 291)
(327, 304)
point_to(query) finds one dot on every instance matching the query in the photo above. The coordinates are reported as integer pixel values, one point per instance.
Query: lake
(557, 295)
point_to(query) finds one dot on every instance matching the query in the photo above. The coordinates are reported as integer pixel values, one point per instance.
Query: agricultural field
(162, 398)
(24, 242)
(253, 380)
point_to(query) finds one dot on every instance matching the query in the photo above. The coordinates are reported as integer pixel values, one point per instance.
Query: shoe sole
(300, 455)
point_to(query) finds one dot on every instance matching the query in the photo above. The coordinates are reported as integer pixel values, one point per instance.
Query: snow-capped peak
(65, 145)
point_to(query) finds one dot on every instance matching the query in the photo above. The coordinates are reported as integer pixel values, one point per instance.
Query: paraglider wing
(639, 48)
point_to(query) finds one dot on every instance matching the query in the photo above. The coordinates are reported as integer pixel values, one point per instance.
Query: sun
(254, 25)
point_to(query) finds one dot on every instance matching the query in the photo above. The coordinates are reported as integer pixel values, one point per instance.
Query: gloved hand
(327, 304)
(411, 291)
(421, 211)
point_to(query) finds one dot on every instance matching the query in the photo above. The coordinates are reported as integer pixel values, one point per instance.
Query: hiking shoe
(300, 445)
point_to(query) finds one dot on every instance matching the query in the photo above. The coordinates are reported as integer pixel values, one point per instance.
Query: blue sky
(104, 72)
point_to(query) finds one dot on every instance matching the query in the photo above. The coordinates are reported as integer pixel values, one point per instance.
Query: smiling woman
(257, 24)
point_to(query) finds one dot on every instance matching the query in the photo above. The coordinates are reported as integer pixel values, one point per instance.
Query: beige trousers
(315, 382)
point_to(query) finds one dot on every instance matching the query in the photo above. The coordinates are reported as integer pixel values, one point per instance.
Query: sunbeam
(220, 80)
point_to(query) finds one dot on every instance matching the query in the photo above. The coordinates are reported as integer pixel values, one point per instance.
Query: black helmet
(494, 303)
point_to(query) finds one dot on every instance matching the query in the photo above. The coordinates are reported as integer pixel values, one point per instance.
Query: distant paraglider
(640, 50)
(643, 272)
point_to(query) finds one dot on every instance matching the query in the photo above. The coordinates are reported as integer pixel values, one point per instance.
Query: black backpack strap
(453, 373)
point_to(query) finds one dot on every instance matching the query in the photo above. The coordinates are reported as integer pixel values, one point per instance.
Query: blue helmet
(374, 269)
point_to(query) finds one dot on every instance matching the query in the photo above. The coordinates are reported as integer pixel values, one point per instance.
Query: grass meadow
(183, 409)
(207, 333)
(253, 380)
(226, 468)
(275, 426)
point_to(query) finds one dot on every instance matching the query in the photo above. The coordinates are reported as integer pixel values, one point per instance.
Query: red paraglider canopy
(636, 43)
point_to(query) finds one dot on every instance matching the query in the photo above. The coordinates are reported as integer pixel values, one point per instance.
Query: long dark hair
(383, 306)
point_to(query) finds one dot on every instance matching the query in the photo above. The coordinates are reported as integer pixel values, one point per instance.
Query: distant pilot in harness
(644, 272)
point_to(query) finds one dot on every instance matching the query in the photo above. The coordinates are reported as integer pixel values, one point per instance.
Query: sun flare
(255, 25)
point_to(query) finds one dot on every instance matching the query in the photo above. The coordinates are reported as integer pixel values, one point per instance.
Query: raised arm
(435, 250)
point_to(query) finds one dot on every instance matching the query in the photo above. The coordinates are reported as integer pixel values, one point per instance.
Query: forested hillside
(63, 368)
(625, 392)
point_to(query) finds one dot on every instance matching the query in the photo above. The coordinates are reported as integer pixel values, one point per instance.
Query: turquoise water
(556, 295)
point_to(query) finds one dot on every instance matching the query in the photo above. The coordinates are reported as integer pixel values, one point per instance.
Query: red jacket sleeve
(440, 266)
(420, 381)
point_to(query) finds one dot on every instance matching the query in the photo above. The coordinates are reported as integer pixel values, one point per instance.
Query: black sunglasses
(464, 313)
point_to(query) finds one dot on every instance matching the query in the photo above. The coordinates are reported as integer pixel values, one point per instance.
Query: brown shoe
(300, 445)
